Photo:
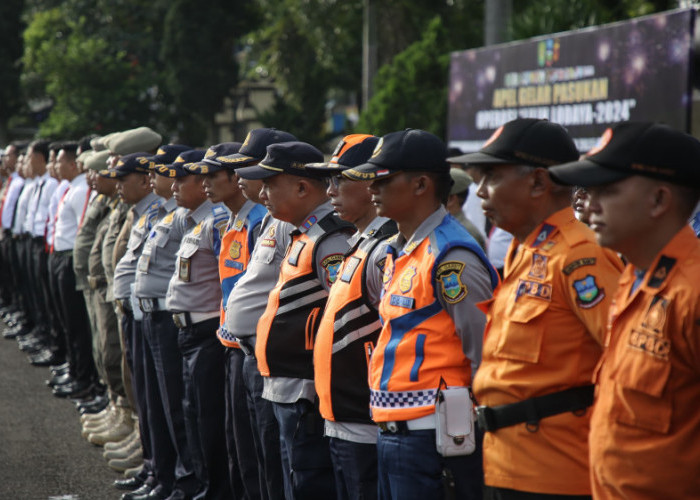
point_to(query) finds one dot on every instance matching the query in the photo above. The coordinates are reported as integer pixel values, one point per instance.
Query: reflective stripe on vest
(418, 345)
(287, 329)
(346, 338)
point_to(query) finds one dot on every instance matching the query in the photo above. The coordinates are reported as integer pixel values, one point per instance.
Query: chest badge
(538, 269)
(406, 280)
(235, 251)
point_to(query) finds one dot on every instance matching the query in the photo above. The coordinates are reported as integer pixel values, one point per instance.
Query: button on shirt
(70, 213)
(248, 303)
(23, 206)
(11, 196)
(145, 214)
(40, 205)
(195, 285)
(157, 262)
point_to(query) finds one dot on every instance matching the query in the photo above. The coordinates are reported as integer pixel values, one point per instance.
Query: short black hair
(441, 180)
(56, 146)
(70, 148)
(41, 146)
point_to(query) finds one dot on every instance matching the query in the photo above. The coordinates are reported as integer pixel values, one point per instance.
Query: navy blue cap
(636, 148)
(254, 147)
(284, 158)
(524, 141)
(177, 167)
(167, 153)
(211, 162)
(409, 150)
(351, 151)
(134, 163)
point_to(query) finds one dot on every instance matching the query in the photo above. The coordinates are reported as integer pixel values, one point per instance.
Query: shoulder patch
(586, 261)
(588, 294)
(448, 275)
(381, 263)
(331, 264)
(661, 271)
(544, 233)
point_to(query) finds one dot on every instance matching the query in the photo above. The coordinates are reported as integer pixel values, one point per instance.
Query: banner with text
(586, 80)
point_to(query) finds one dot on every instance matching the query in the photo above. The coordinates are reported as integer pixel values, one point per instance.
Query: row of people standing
(307, 307)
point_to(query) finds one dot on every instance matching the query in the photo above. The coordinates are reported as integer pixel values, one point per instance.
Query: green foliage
(11, 42)
(412, 90)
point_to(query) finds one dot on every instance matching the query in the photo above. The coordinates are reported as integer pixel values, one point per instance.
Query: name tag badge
(401, 301)
(184, 269)
(144, 261)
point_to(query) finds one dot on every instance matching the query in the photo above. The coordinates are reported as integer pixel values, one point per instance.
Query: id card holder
(144, 260)
(183, 270)
(454, 415)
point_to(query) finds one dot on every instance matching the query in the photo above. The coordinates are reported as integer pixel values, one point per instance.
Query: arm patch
(331, 264)
(449, 278)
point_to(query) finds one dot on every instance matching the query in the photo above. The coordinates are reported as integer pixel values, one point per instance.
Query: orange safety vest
(346, 337)
(418, 346)
(287, 329)
(236, 247)
(645, 428)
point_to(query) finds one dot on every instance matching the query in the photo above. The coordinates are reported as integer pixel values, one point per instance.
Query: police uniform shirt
(23, 206)
(117, 218)
(248, 303)
(70, 214)
(290, 390)
(468, 319)
(354, 432)
(53, 209)
(194, 285)
(145, 213)
(157, 262)
(11, 197)
(97, 210)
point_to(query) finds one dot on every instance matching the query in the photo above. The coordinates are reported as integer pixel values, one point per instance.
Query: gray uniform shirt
(249, 299)
(195, 285)
(156, 265)
(290, 390)
(145, 214)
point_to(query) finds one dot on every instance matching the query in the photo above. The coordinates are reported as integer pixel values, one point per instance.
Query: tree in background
(198, 60)
(11, 28)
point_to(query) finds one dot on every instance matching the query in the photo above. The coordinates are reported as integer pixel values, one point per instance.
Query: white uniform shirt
(40, 205)
(70, 213)
(10, 204)
(53, 208)
(23, 206)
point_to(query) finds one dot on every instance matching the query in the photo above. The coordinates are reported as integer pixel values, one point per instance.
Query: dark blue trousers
(162, 362)
(355, 468)
(305, 452)
(203, 405)
(410, 468)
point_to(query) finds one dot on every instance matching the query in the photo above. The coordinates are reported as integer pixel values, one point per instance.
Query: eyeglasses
(333, 180)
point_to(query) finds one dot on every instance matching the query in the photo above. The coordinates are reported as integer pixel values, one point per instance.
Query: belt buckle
(245, 347)
(484, 417)
(177, 319)
(146, 305)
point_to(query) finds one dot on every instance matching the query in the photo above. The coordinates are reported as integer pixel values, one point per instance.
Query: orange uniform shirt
(645, 429)
(545, 329)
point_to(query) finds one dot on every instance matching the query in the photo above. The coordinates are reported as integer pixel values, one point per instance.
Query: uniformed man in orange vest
(350, 325)
(287, 329)
(643, 183)
(545, 322)
(431, 338)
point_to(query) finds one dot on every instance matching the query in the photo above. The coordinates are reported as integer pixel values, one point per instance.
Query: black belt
(532, 410)
(247, 348)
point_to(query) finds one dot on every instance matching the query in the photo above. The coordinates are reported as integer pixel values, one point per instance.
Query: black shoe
(95, 405)
(128, 484)
(75, 389)
(157, 493)
(138, 493)
(9, 334)
(59, 369)
(43, 358)
(31, 345)
(58, 380)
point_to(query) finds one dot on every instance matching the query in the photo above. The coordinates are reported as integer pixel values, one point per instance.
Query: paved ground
(42, 455)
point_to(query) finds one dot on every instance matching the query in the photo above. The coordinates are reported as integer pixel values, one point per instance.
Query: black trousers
(162, 362)
(58, 334)
(203, 374)
(41, 292)
(74, 319)
(7, 282)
